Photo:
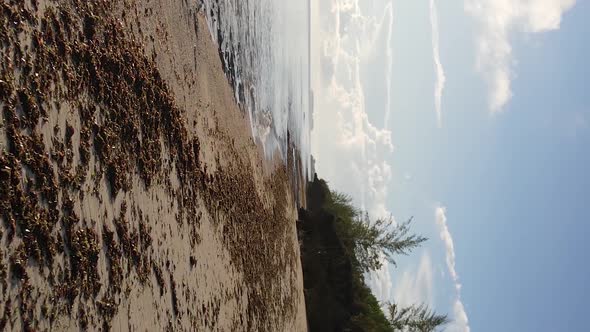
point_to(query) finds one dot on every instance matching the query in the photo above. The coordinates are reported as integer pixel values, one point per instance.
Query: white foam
(269, 41)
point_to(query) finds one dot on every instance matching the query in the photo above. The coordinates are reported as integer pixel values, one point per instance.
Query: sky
(471, 116)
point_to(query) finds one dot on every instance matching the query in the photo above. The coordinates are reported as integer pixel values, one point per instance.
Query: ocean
(265, 50)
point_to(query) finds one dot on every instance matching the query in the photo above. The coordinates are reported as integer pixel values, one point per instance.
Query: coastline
(165, 214)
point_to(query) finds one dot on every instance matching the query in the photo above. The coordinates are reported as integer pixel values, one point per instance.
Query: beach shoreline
(135, 196)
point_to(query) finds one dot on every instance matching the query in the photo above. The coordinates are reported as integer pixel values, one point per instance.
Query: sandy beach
(132, 194)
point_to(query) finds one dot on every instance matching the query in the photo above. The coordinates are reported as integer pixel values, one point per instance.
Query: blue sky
(500, 185)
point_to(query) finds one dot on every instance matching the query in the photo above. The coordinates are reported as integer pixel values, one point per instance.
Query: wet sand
(132, 195)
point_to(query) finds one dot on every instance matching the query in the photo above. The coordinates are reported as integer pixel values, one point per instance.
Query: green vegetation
(415, 318)
(363, 242)
(367, 239)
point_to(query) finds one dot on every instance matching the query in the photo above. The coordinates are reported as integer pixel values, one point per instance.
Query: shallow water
(264, 45)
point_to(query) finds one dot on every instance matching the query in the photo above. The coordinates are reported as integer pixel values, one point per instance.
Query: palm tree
(415, 318)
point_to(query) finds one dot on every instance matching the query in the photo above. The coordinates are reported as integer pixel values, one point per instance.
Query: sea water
(264, 46)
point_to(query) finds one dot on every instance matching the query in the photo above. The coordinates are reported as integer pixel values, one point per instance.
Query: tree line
(364, 241)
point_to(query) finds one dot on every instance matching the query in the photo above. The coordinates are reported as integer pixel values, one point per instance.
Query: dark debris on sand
(76, 53)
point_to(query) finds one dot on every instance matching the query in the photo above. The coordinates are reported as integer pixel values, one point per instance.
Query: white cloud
(497, 19)
(440, 73)
(416, 286)
(445, 236)
(460, 322)
(351, 151)
(389, 56)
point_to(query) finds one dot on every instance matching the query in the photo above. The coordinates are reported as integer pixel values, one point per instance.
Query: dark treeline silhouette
(339, 244)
